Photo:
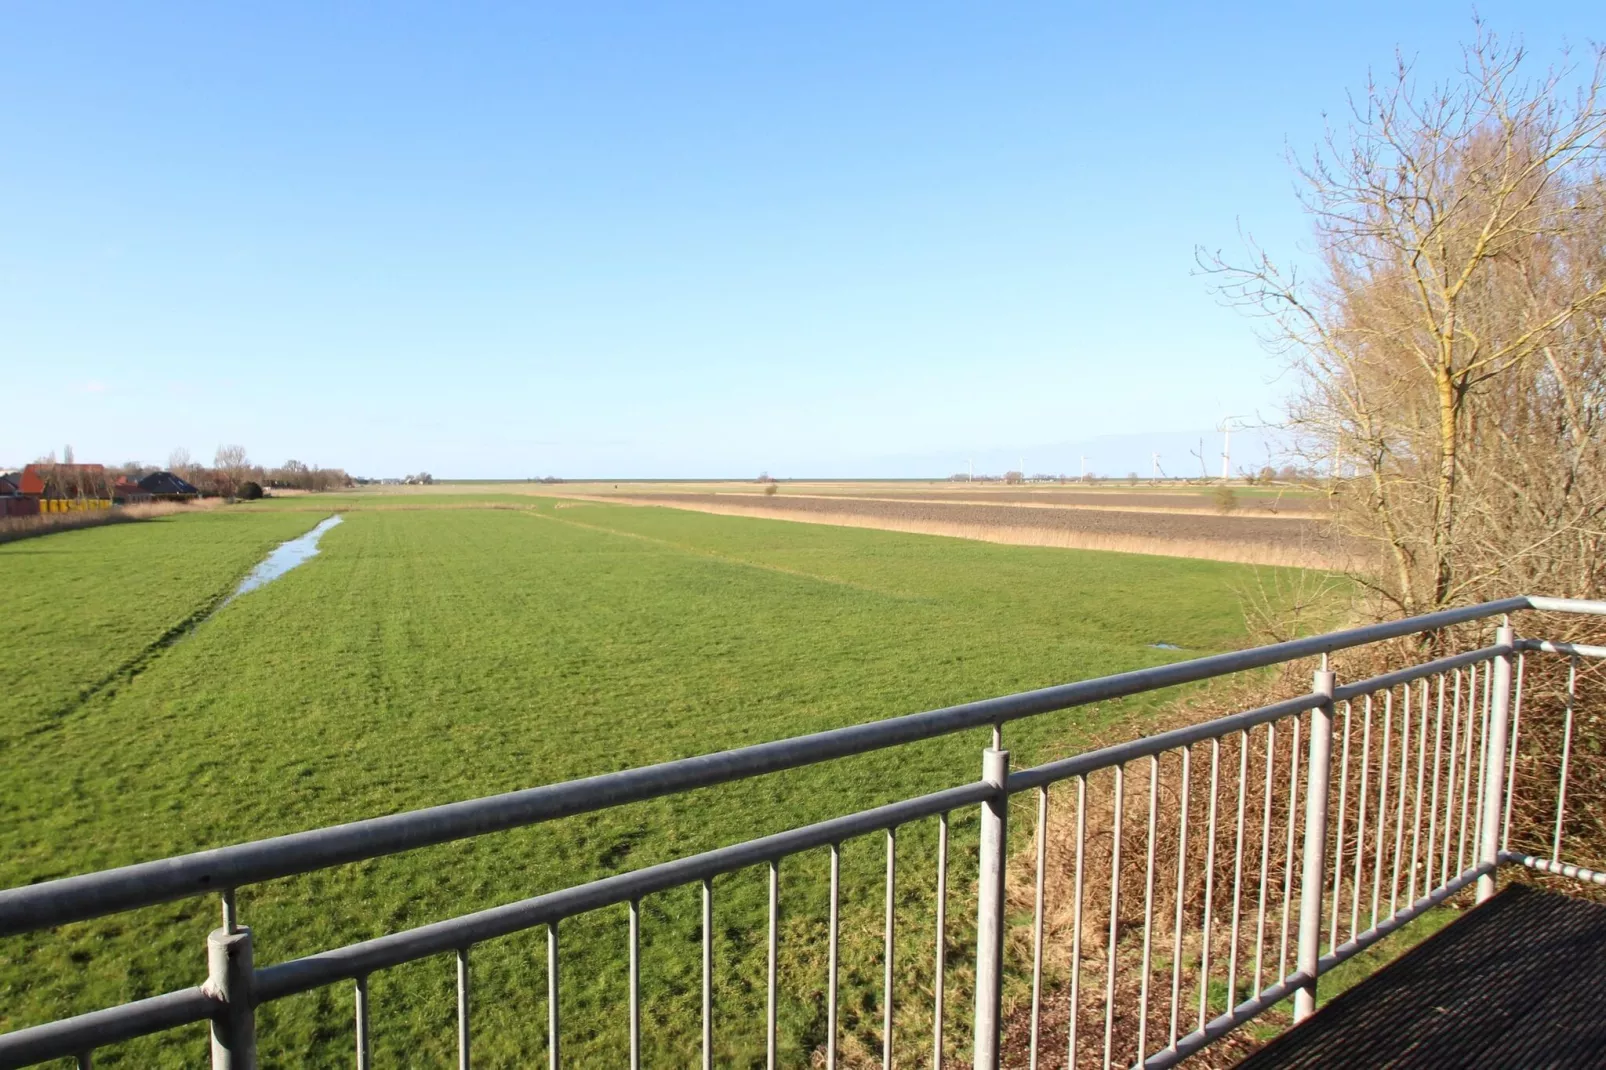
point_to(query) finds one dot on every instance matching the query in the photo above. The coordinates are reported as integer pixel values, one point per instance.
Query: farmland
(1251, 525)
(460, 643)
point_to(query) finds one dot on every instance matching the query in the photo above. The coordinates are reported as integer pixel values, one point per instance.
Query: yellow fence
(73, 505)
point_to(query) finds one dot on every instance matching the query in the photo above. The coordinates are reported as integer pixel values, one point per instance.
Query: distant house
(12, 501)
(167, 487)
(64, 481)
(127, 492)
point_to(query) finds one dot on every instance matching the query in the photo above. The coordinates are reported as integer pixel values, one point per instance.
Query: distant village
(51, 486)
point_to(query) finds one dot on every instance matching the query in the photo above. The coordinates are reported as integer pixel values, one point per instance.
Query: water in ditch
(285, 556)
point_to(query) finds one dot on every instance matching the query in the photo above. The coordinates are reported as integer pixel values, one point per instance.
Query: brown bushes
(26, 527)
(1416, 751)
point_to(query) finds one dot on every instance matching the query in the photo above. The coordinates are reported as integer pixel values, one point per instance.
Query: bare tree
(1450, 359)
(232, 467)
(179, 463)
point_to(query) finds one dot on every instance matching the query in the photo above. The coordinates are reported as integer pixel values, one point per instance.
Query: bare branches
(1450, 356)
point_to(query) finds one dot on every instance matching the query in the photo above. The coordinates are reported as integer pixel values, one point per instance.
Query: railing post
(1494, 787)
(229, 976)
(1313, 879)
(990, 912)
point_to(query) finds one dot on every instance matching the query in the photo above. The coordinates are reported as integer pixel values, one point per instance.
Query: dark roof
(10, 483)
(166, 483)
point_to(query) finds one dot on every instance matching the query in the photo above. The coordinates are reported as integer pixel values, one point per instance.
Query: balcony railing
(1292, 837)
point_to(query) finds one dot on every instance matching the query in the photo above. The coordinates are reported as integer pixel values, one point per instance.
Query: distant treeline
(232, 474)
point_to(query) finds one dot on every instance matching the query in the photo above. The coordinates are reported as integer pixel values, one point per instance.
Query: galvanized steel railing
(1455, 821)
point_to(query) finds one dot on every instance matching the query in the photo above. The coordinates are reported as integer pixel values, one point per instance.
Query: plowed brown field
(1191, 533)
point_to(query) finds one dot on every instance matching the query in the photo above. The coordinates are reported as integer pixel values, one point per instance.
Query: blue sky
(656, 240)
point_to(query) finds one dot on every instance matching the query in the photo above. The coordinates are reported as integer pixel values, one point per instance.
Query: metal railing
(1416, 808)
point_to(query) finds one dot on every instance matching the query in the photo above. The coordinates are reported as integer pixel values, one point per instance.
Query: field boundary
(1012, 535)
(1249, 512)
(725, 559)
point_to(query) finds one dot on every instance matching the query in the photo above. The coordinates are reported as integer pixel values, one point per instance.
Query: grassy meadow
(457, 645)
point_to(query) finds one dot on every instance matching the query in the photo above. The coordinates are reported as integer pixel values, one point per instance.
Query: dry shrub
(1447, 353)
(26, 527)
(1431, 839)
(1536, 774)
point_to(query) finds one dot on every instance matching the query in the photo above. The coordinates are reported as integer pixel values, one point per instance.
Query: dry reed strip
(1248, 553)
(27, 527)
(1204, 508)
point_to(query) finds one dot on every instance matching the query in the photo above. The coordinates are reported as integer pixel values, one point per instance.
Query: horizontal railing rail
(1576, 649)
(1386, 796)
(68, 899)
(353, 961)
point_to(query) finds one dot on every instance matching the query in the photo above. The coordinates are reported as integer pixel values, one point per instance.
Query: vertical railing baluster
(1382, 803)
(635, 984)
(889, 955)
(1566, 758)
(1511, 768)
(1467, 786)
(1361, 798)
(1494, 790)
(940, 971)
(230, 977)
(1182, 878)
(708, 973)
(1238, 871)
(1288, 849)
(835, 925)
(1338, 839)
(364, 1055)
(1265, 856)
(1445, 875)
(1037, 923)
(1210, 888)
(774, 964)
(990, 905)
(1148, 908)
(462, 1009)
(1399, 820)
(1416, 804)
(1483, 765)
(85, 1060)
(553, 1036)
(1115, 915)
(1076, 925)
(1318, 781)
(1428, 883)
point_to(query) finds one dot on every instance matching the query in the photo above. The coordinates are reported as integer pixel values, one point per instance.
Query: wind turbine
(1225, 427)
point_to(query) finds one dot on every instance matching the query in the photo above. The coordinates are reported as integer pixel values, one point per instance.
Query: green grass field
(442, 649)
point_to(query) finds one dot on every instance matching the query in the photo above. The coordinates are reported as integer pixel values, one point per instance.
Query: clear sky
(655, 239)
